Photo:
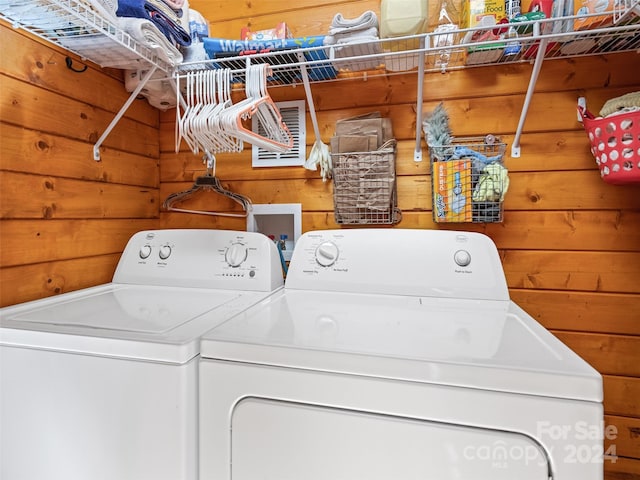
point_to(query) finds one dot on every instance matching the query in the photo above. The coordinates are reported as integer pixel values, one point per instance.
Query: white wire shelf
(533, 42)
(89, 29)
(82, 28)
(404, 55)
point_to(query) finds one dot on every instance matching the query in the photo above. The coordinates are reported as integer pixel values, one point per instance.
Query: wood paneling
(65, 218)
(46, 197)
(26, 242)
(30, 282)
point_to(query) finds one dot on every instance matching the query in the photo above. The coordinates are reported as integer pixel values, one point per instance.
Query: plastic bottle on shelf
(401, 18)
(446, 22)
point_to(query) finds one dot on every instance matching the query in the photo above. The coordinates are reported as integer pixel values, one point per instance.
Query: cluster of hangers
(208, 121)
(208, 182)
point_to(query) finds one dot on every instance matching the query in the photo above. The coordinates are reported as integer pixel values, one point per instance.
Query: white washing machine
(395, 354)
(102, 383)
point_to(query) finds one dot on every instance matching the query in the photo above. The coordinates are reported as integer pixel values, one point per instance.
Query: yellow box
(474, 10)
(452, 191)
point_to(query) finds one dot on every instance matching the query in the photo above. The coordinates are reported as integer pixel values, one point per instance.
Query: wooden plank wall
(64, 218)
(570, 243)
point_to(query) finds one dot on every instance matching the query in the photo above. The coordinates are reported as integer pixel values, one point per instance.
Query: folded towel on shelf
(165, 19)
(366, 35)
(103, 8)
(353, 38)
(166, 10)
(169, 21)
(132, 8)
(342, 26)
(145, 32)
(175, 4)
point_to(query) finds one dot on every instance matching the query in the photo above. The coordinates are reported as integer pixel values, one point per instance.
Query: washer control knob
(327, 254)
(165, 252)
(145, 251)
(462, 258)
(236, 254)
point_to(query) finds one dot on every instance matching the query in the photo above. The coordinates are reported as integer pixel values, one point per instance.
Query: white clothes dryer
(395, 354)
(102, 383)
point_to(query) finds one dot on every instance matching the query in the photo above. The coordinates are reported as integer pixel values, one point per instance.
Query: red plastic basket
(615, 144)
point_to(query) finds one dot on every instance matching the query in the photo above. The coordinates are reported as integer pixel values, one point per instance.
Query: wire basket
(469, 181)
(615, 144)
(364, 186)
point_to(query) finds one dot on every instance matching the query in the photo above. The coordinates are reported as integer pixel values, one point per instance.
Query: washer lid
(484, 344)
(134, 321)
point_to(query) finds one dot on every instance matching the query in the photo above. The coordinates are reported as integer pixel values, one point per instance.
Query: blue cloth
(132, 8)
(466, 152)
(143, 9)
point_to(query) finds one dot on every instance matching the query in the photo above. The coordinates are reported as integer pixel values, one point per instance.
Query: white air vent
(293, 114)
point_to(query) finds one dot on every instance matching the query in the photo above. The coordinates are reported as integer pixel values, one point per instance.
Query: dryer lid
(484, 344)
(144, 322)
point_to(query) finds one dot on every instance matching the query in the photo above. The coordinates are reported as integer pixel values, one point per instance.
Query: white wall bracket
(542, 48)
(116, 119)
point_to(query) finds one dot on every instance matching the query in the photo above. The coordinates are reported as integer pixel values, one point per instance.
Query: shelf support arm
(542, 48)
(116, 119)
(417, 153)
(307, 91)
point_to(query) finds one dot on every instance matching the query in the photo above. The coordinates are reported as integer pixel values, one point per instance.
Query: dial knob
(236, 254)
(462, 258)
(327, 254)
(164, 252)
(145, 251)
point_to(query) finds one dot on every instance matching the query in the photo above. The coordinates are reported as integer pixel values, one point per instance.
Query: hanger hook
(210, 160)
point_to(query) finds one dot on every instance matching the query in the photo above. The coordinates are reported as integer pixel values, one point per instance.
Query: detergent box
(582, 8)
(451, 191)
(473, 11)
(281, 31)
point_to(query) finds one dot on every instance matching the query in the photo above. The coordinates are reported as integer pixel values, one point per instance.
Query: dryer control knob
(327, 254)
(145, 251)
(165, 252)
(462, 258)
(236, 254)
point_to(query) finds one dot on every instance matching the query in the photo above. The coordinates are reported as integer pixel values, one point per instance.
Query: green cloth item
(492, 184)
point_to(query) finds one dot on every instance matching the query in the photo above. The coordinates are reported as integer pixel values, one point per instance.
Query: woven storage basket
(615, 144)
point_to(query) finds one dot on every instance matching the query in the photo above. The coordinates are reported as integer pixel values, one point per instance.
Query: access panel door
(279, 440)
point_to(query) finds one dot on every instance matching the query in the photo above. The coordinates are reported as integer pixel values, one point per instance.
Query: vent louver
(293, 114)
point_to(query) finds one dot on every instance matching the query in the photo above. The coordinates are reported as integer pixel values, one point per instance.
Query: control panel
(434, 263)
(201, 258)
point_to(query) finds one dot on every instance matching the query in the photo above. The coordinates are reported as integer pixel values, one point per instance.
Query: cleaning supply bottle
(446, 22)
(401, 18)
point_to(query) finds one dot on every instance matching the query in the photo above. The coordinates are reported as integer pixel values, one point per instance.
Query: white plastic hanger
(260, 103)
(211, 123)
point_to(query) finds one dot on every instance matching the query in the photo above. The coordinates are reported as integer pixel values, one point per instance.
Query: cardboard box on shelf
(473, 11)
(281, 31)
(452, 191)
(587, 7)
